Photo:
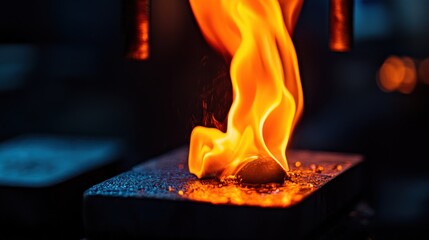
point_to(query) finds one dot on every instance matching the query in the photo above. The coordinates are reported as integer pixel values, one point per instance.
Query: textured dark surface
(42, 179)
(153, 200)
(148, 180)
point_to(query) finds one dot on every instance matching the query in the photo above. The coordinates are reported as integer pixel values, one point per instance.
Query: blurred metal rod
(137, 24)
(341, 25)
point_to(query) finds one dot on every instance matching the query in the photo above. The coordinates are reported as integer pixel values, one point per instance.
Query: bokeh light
(424, 71)
(397, 74)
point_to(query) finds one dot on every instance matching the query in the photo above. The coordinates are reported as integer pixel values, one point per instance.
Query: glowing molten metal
(267, 93)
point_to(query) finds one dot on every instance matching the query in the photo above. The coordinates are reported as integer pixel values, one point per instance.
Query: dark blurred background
(64, 70)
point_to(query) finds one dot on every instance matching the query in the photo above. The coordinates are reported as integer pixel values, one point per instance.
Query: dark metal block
(42, 180)
(161, 199)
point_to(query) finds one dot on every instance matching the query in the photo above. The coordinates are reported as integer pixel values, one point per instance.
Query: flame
(267, 92)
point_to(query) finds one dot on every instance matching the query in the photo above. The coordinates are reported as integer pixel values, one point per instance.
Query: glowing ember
(267, 93)
(303, 180)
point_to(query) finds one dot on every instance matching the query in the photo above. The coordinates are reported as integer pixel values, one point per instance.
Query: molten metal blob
(267, 92)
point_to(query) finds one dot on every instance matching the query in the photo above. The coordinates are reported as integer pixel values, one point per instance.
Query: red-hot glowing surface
(307, 174)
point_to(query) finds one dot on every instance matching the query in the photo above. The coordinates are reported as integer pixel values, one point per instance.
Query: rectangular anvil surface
(160, 198)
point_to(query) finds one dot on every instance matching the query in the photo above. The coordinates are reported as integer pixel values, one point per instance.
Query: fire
(267, 93)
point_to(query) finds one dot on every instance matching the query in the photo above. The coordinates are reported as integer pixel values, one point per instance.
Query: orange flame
(267, 92)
